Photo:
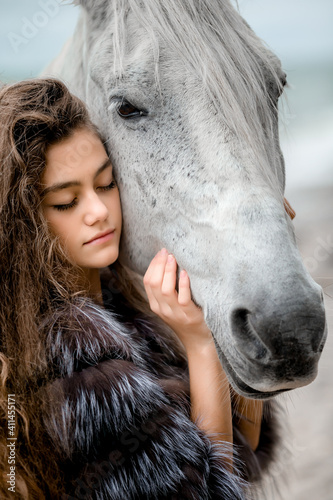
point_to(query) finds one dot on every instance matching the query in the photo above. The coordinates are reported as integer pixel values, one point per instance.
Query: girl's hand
(177, 310)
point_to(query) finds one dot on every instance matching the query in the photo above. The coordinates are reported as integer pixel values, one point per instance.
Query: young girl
(100, 399)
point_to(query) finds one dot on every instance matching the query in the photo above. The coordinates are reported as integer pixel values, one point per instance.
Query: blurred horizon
(299, 32)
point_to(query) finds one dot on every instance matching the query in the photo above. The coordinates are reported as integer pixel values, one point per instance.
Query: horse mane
(212, 41)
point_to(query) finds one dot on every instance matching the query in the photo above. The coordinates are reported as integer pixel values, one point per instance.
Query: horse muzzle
(274, 353)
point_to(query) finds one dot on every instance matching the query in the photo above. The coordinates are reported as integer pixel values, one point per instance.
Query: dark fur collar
(116, 411)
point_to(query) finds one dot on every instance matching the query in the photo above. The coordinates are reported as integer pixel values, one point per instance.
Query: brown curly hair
(35, 272)
(37, 276)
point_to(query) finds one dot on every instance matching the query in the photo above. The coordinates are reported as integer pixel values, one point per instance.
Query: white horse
(186, 96)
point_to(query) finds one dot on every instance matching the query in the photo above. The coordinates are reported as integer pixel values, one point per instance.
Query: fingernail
(164, 251)
(170, 257)
(183, 273)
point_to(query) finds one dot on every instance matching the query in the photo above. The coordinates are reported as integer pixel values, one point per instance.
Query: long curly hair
(36, 274)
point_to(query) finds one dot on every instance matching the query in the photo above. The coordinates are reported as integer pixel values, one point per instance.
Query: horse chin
(240, 387)
(249, 392)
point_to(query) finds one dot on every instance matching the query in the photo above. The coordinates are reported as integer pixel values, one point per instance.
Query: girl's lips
(101, 238)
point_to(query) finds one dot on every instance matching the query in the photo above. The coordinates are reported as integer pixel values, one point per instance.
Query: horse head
(186, 96)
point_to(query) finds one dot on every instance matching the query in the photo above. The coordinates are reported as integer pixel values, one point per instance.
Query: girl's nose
(95, 211)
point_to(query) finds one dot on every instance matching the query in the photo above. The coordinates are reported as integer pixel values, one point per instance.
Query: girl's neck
(94, 285)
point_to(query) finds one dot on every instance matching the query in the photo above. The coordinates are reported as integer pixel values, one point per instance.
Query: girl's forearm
(250, 416)
(210, 398)
(209, 392)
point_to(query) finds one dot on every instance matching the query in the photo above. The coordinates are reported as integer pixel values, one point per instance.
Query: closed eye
(108, 187)
(66, 206)
(73, 203)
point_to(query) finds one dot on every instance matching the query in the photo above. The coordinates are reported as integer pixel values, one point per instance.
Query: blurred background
(300, 32)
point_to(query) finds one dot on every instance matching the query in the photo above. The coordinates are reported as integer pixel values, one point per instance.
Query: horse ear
(89, 4)
(82, 3)
(97, 8)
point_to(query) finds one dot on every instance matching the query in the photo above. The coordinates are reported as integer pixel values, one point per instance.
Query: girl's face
(81, 200)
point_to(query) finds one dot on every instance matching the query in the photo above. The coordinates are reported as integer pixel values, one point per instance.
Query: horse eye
(128, 110)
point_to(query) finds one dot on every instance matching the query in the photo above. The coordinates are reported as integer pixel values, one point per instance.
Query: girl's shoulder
(82, 333)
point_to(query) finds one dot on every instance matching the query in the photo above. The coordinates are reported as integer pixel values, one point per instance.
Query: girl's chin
(99, 263)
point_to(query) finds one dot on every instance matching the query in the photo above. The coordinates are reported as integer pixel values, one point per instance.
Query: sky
(299, 31)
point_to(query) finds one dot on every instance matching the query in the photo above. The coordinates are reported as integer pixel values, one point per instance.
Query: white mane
(242, 77)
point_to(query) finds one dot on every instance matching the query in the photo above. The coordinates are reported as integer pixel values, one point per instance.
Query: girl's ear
(290, 211)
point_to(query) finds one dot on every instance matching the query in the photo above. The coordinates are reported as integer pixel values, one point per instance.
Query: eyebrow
(63, 185)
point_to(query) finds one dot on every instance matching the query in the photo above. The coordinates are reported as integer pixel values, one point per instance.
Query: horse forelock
(212, 41)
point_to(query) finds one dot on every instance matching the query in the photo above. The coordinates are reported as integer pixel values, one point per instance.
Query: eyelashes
(107, 188)
(73, 203)
(65, 207)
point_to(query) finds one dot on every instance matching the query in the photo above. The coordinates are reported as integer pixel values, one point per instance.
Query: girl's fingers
(154, 274)
(151, 268)
(154, 306)
(184, 291)
(153, 279)
(160, 285)
(146, 282)
(157, 272)
(168, 288)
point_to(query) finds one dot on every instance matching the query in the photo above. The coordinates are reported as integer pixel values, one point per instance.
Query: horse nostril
(239, 319)
(259, 336)
(247, 339)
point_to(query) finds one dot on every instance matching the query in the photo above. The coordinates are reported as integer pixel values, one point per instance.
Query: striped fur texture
(116, 413)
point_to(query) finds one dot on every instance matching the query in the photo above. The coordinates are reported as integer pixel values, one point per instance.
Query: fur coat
(116, 413)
